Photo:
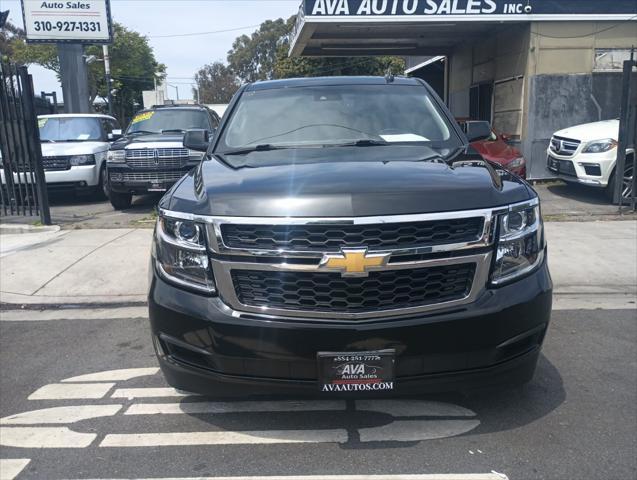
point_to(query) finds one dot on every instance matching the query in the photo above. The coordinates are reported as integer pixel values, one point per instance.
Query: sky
(182, 55)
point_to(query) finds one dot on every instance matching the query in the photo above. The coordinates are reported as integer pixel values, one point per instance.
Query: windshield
(332, 115)
(70, 129)
(173, 120)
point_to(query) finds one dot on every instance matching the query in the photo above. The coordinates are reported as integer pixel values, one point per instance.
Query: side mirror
(115, 135)
(197, 140)
(477, 130)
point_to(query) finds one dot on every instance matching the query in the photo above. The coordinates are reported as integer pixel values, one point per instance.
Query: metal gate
(23, 190)
(625, 191)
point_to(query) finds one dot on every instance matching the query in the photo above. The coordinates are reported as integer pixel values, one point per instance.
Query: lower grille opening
(330, 292)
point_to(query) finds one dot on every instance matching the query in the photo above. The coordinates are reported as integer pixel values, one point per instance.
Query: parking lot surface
(560, 201)
(84, 399)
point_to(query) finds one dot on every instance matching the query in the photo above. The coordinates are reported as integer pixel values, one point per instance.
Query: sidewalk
(591, 262)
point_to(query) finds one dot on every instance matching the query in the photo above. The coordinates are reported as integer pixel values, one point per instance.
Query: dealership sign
(620, 9)
(75, 21)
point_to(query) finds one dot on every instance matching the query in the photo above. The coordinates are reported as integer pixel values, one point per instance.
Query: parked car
(496, 149)
(74, 149)
(587, 154)
(338, 238)
(151, 156)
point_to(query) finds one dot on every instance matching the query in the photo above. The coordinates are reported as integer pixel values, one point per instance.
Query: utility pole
(74, 73)
(107, 72)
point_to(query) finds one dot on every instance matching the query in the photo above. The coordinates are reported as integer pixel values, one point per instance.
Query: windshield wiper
(47, 140)
(173, 130)
(365, 142)
(142, 132)
(262, 147)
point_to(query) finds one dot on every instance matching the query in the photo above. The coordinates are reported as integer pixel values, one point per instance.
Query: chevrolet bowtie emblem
(354, 262)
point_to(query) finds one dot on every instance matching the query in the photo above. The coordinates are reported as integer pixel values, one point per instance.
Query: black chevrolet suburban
(339, 238)
(151, 157)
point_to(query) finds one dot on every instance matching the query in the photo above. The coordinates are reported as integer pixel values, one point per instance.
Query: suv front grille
(56, 163)
(157, 157)
(152, 177)
(331, 238)
(329, 292)
(564, 146)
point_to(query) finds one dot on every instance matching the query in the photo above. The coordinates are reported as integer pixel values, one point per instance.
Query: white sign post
(64, 21)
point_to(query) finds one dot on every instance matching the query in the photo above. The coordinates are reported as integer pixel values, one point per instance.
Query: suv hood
(343, 189)
(592, 131)
(72, 148)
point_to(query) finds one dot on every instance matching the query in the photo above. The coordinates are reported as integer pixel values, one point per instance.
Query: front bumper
(78, 177)
(574, 169)
(204, 347)
(124, 179)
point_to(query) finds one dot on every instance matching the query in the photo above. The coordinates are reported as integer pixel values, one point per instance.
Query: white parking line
(69, 391)
(435, 476)
(11, 467)
(61, 414)
(132, 393)
(44, 437)
(417, 430)
(176, 439)
(234, 407)
(114, 375)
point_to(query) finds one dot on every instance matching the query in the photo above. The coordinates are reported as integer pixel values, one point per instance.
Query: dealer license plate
(157, 187)
(356, 372)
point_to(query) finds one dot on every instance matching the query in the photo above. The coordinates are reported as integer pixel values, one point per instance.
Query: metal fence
(23, 190)
(625, 191)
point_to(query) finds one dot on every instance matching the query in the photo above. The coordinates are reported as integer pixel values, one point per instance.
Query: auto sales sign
(619, 9)
(67, 21)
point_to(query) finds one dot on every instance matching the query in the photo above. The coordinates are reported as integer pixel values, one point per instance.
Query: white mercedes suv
(587, 154)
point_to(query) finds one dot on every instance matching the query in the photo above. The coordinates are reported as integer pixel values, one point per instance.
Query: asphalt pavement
(575, 420)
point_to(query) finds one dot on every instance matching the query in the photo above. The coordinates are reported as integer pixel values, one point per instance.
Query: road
(575, 420)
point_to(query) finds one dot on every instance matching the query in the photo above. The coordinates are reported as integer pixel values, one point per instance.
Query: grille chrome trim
(222, 265)
(225, 287)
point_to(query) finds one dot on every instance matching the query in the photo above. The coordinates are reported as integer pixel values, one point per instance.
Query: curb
(20, 228)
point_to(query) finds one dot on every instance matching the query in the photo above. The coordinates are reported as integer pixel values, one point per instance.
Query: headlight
(600, 146)
(517, 163)
(520, 246)
(116, 156)
(180, 254)
(77, 160)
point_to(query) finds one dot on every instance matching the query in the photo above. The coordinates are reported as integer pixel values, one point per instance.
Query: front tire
(627, 182)
(120, 201)
(102, 187)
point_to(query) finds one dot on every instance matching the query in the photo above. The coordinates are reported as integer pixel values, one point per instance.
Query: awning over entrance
(428, 27)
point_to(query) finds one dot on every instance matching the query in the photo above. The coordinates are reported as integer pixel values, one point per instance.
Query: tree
(13, 47)
(216, 83)
(264, 56)
(253, 57)
(133, 66)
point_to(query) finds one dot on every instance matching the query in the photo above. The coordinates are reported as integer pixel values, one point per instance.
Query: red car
(495, 149)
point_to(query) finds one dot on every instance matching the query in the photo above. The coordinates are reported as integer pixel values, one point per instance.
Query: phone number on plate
(40, 26)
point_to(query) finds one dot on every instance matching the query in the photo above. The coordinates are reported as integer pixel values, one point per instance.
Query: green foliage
(133, 68)
(133, 65)
(264, 55)
(216, 82)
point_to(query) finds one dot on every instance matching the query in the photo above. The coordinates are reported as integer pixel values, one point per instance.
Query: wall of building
(500, 59)
(564, 86)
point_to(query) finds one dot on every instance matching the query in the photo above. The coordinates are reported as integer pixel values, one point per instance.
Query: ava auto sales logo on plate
(373, 371)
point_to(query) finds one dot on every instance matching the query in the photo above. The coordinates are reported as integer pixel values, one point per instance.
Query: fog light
(117, 177)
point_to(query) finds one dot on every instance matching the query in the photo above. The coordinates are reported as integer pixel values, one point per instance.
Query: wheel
(627, 182)
(102, 187)
(120, 201)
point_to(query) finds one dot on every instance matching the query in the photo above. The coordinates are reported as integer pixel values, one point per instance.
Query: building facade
(530, 67)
